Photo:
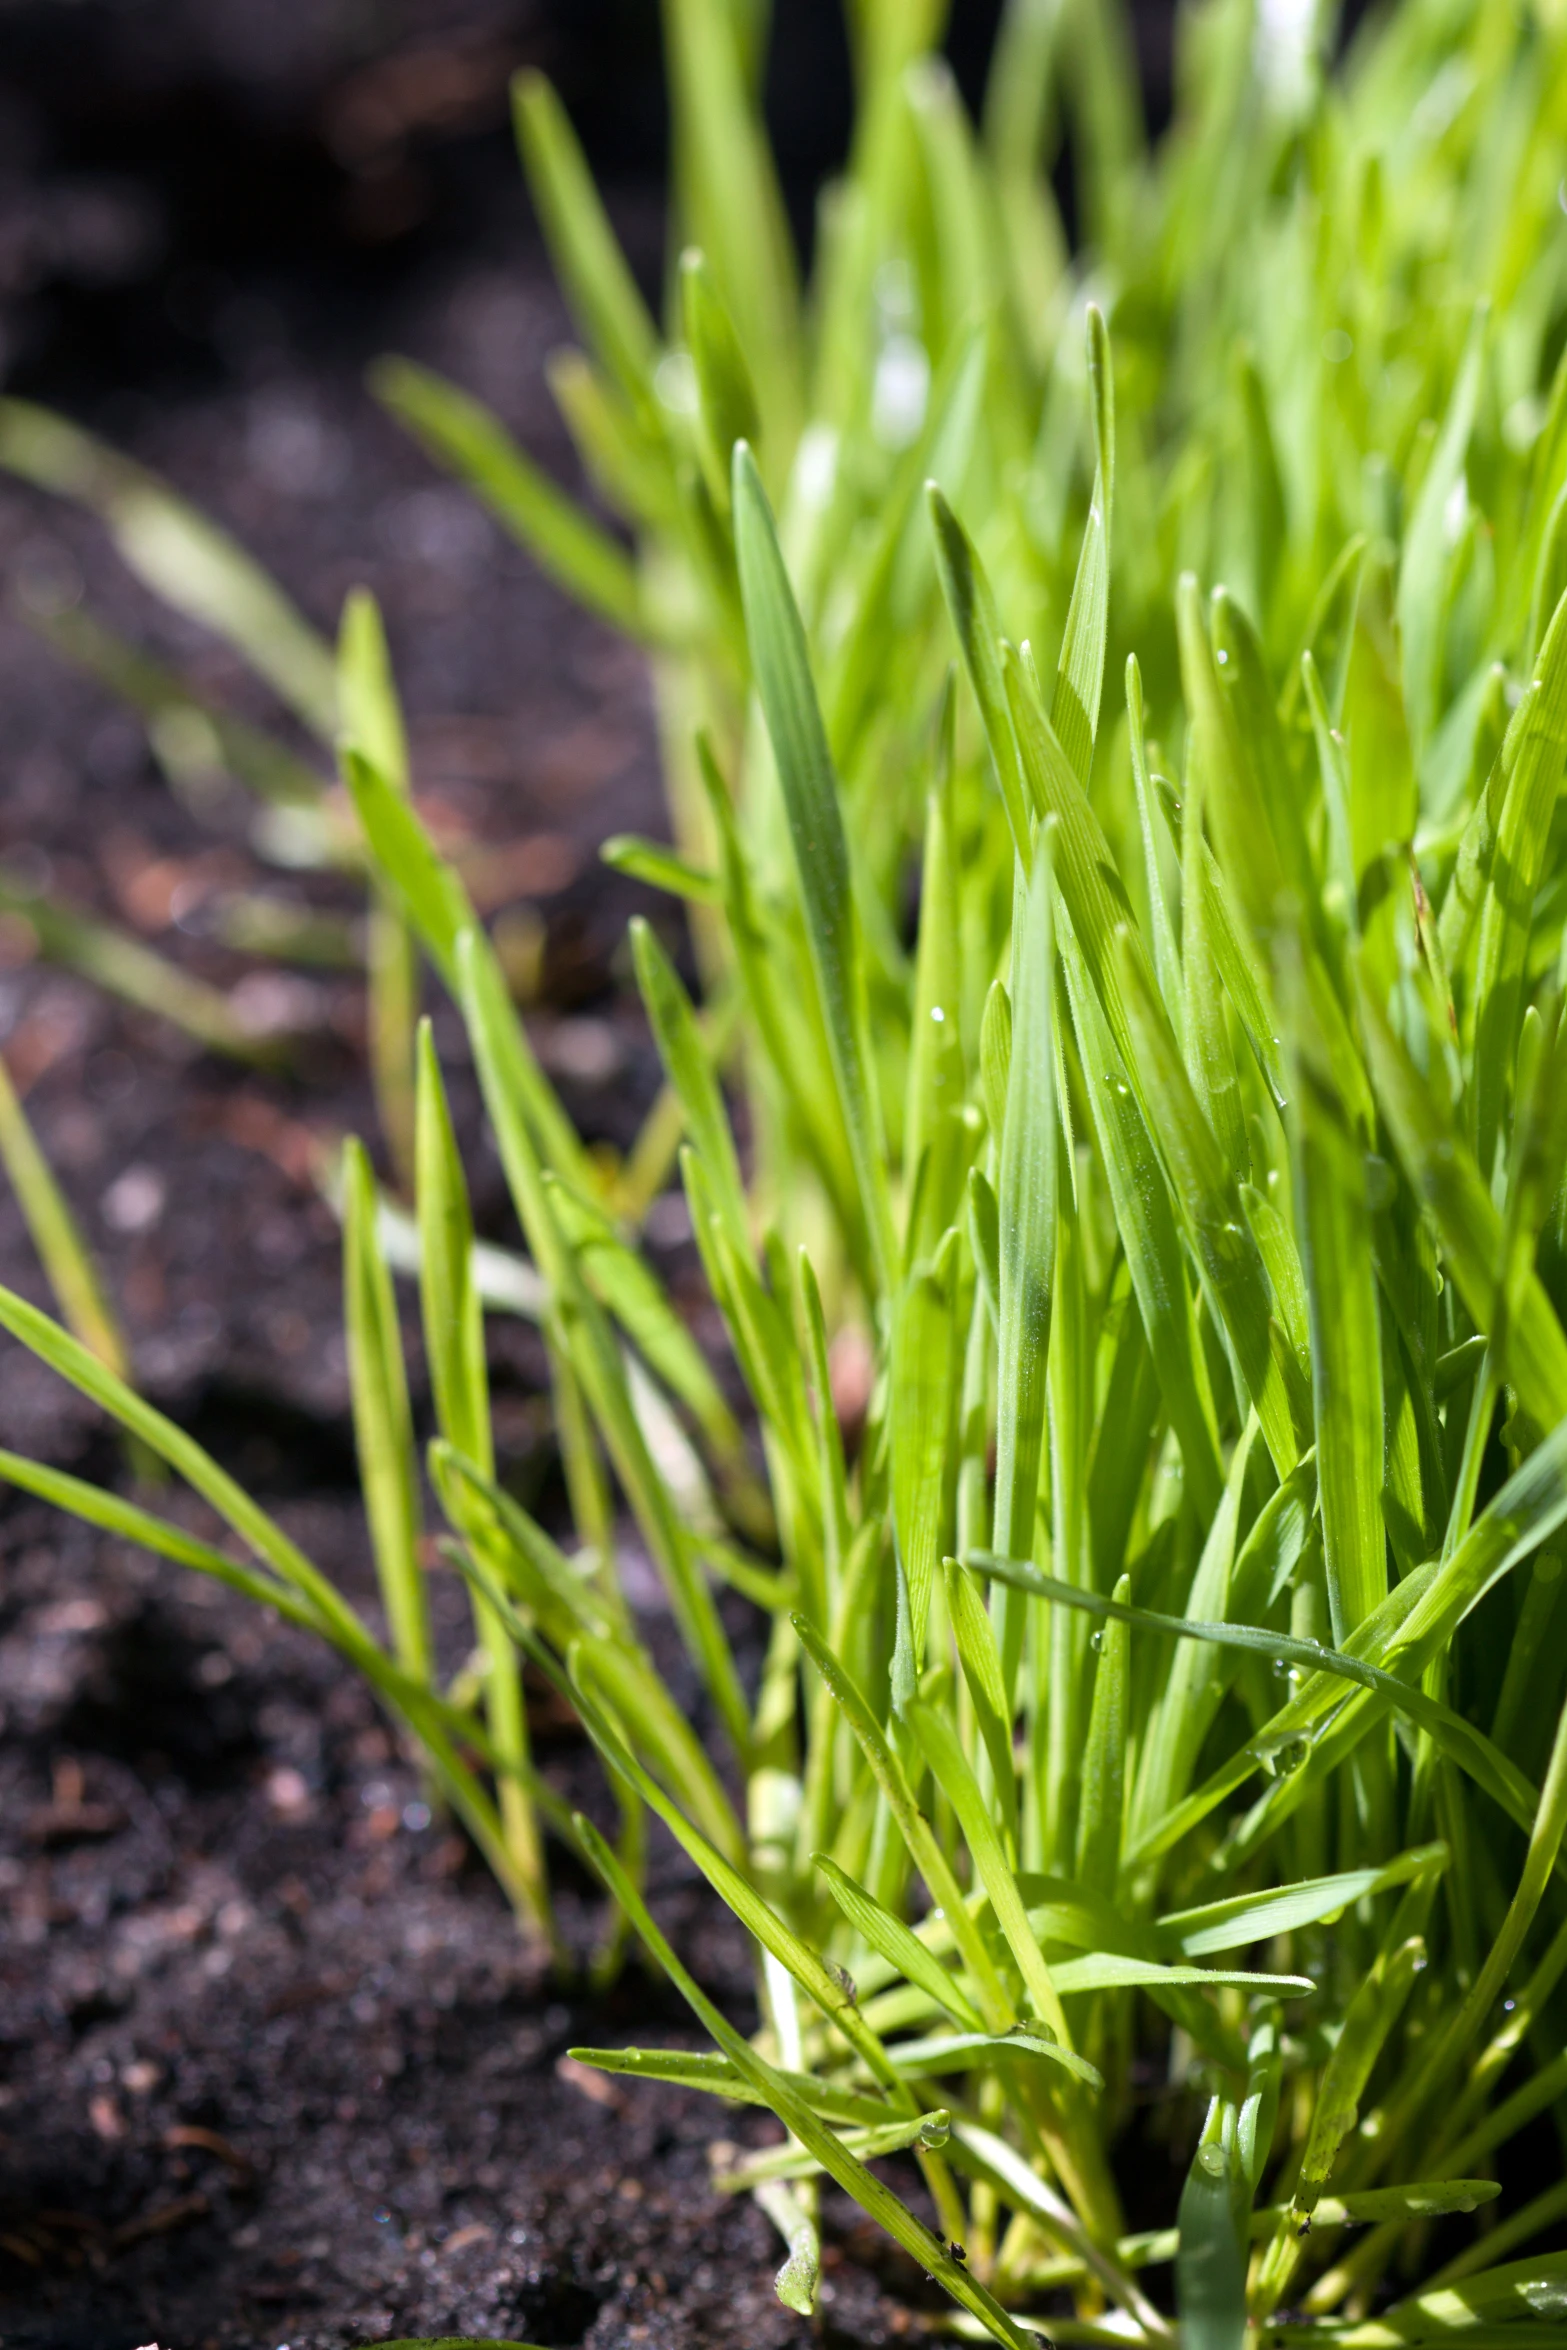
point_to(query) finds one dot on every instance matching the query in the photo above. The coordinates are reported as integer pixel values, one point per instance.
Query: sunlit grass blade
(1029, 1149)
(1537, 740)
(730, 203)
(934, 1140)
(1333, 1219)
(980, 1659)
(1205, 1190)
(1468, 1746)
(371, 721)
(1146, 1222)
(957, 1782)
(1428, 540)
(976, 624)
(810, 793)
(794, 1958)
(383, 1424)
(661, 868)
(796, 2281)
(786, 2162)
(1243, 831)
(55, 1234)
(1183, 1702)
(1074, 709)
(690, 1070)
(431, 893)
(892, 1938)
(623, 1283)
(519, 1557)
(448, 1289)
(725, 392)
(583, 246)
(914, 1827)
(1210, 2261)
(924, 1374)
(1446, 1181)
(1099, 1818)
(715, 2076)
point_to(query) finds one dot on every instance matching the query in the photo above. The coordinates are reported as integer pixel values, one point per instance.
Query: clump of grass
(1159, 1767)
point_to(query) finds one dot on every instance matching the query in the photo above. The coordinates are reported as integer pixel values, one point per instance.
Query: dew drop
(1096, 1641)
(1211, 2159)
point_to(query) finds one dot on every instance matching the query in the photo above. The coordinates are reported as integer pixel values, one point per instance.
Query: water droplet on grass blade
(1282, 1760)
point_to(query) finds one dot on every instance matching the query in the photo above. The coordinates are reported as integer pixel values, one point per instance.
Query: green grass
(1159, 1768)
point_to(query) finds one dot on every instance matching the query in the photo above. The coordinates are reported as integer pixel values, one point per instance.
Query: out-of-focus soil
(277, 2065)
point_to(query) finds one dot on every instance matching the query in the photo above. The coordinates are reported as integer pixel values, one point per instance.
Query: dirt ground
(275, 2066)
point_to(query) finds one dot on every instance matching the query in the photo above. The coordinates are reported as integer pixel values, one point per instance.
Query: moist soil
(276, 2064)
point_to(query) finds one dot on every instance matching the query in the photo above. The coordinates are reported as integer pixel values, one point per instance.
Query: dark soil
(276, 2065)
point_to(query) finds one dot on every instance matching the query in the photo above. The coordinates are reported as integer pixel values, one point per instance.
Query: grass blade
(727, 396)
(383, 1424)
(690, 1071)
(1029, 1145)
(1074, 708)
(1334, 1221)
(924, 1374)
(1210, 2261)
(583, 247)
(372, 721)
(66, 1259)
(810, 793)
